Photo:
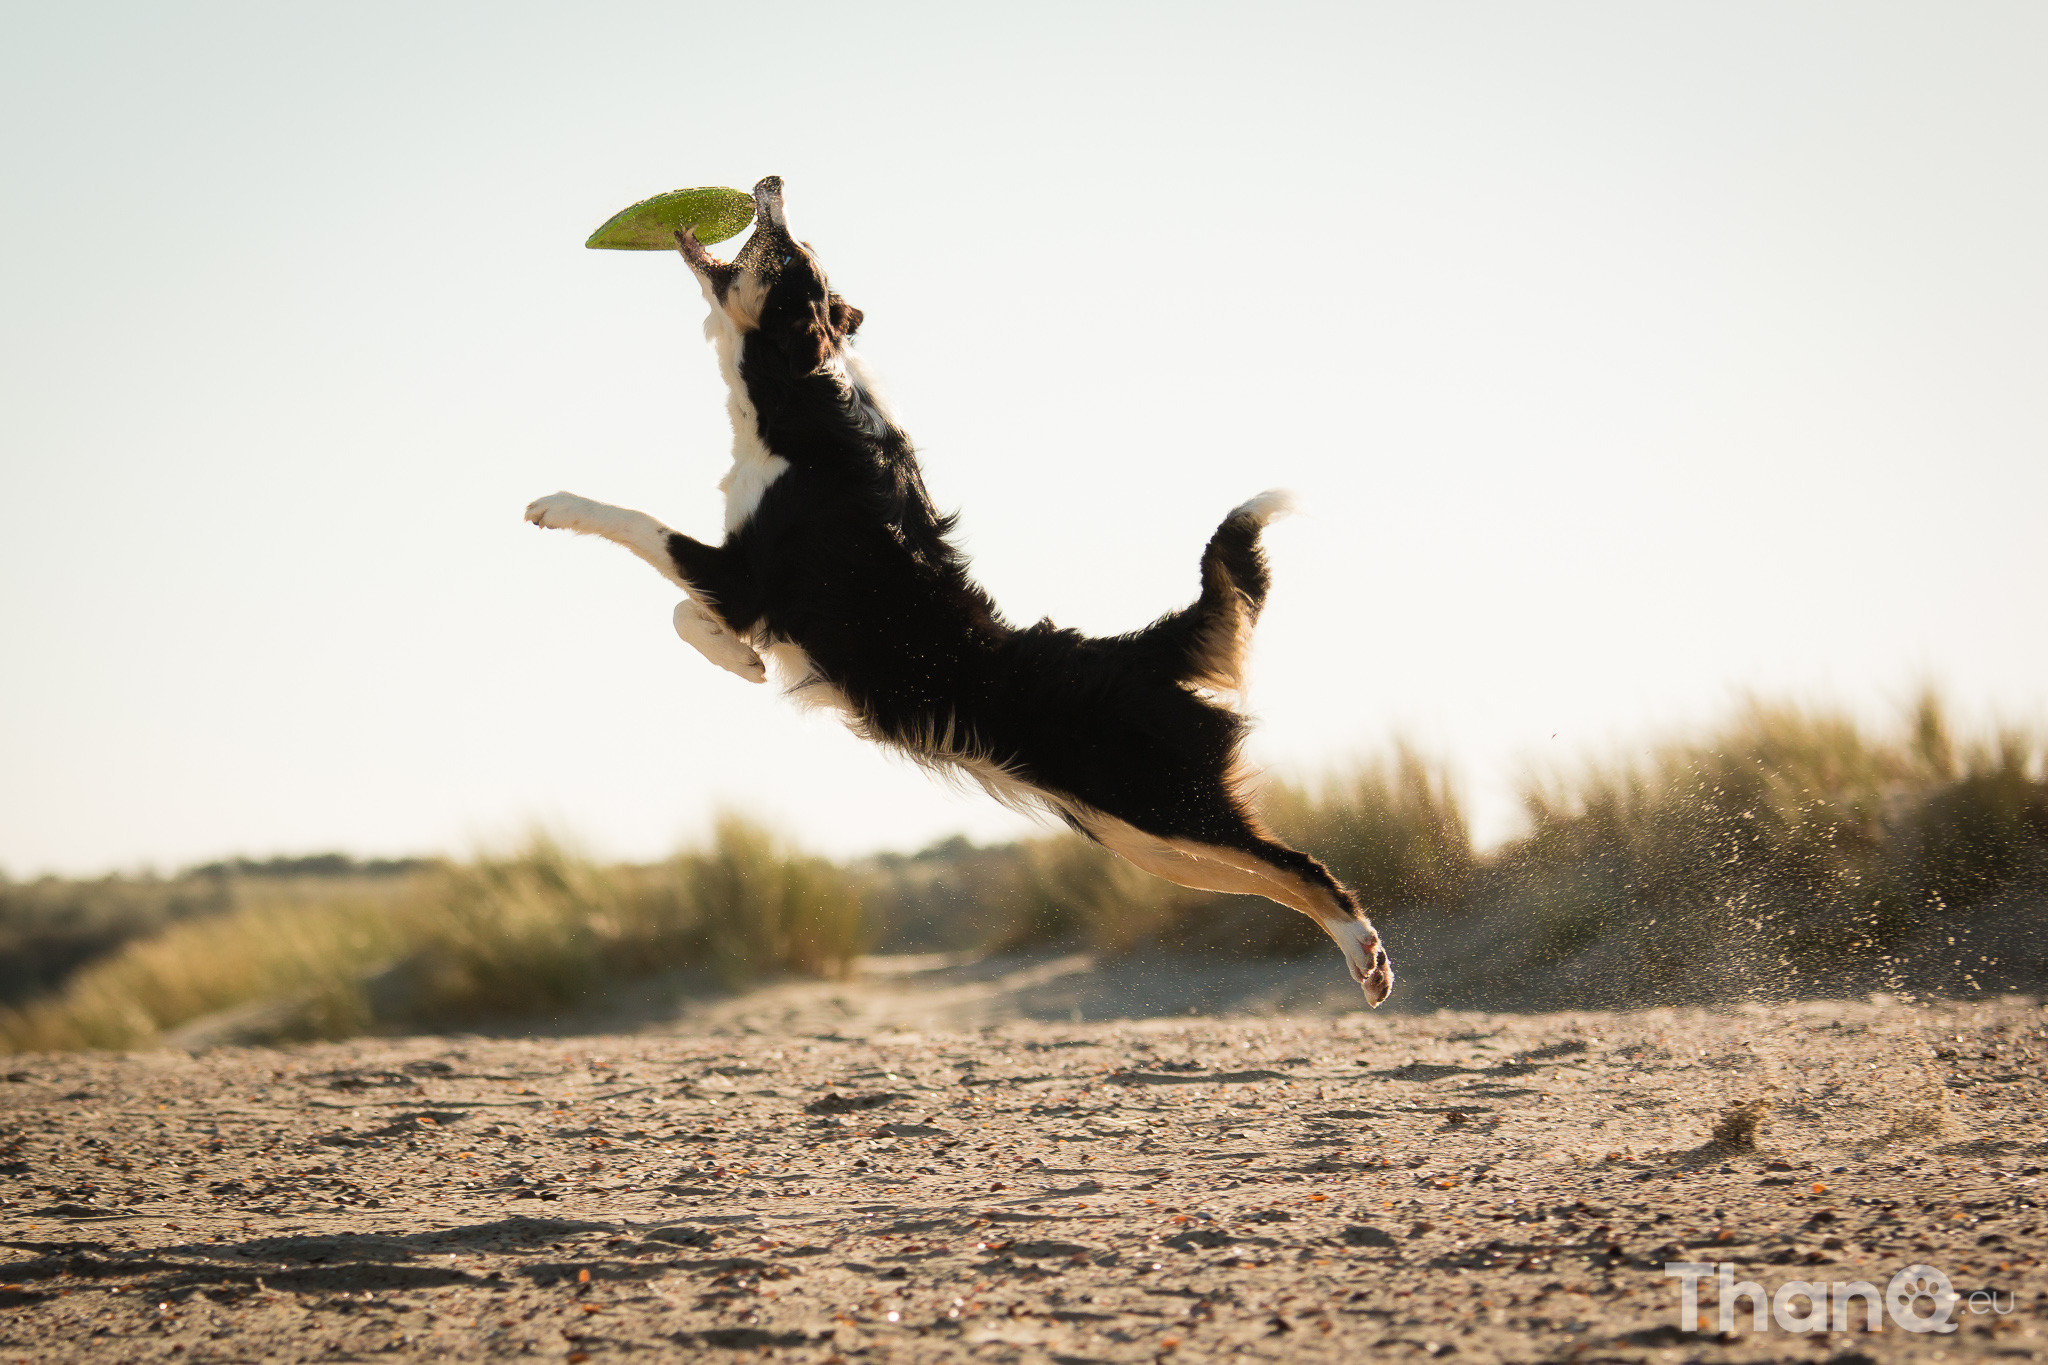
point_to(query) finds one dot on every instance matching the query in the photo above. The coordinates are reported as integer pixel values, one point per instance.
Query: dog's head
(775, 286)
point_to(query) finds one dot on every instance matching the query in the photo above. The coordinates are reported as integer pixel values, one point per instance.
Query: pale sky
(1625, 358)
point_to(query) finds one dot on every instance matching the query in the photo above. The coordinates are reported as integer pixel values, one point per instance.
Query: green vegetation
(1792, 852)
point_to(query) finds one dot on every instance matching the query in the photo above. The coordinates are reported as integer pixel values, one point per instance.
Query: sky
(1626, 359)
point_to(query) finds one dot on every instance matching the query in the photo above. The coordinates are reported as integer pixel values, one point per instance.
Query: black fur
(846, 557)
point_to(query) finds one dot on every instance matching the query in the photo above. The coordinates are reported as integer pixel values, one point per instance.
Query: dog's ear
(845, 318)
(830, 323)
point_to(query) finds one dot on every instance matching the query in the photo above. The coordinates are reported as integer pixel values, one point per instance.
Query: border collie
(837, 568)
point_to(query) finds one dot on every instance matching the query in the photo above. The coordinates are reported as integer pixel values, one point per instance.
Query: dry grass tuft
(1737, 1131)
(1789, 853)
(527, 933)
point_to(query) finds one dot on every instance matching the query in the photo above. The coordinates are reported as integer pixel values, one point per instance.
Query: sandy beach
(913, 1168)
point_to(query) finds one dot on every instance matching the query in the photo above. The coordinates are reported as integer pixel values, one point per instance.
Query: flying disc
(713, 212)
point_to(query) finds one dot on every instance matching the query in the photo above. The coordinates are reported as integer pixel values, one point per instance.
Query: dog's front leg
(697, 619)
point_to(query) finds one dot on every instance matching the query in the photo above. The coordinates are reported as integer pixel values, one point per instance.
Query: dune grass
(51, 926)
(1791, 842)
(310, 954)
(528, 933)
(1790, 848)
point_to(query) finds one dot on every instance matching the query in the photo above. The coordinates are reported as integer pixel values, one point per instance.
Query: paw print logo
(1921, 1299)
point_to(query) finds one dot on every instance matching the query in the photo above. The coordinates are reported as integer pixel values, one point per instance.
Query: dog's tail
(1206, 644)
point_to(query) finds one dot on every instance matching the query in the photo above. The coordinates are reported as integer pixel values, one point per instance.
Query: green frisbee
(713, 212)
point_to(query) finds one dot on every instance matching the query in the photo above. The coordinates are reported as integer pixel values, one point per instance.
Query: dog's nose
(768, 201)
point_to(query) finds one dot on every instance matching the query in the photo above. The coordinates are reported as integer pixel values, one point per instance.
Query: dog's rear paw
(1379, 982)
(558, 511)
(710, 636)
(1366, 958)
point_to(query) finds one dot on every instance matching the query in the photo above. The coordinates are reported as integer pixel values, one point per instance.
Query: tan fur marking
(744, 299)
(1208, 867)
(1224, 646)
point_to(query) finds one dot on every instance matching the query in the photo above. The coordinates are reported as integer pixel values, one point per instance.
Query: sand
(886, 1172)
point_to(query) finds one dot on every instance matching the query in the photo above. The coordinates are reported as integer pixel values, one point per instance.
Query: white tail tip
(1270, 505)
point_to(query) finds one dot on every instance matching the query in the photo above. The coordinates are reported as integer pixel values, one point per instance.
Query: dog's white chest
(754, 466)
(748, 481)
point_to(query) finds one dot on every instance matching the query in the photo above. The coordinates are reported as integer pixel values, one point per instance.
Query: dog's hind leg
(1303, 883)
(1253, 864)
(696, 619)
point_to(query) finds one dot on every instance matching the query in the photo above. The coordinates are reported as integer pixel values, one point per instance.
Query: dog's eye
(787, 257)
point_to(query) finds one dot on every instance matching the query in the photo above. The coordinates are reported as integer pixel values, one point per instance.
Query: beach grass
(1788, 849)
(534, 931)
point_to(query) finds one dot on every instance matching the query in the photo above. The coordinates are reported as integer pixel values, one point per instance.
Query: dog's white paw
(1379, 982)
(560, 511)
(708, 635)
(1366, 958)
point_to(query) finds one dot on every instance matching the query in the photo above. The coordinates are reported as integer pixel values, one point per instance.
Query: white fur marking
(1268, 506)
(950, 755)
(803, 684)
(864, 397)
(755, 468)
(754, 471)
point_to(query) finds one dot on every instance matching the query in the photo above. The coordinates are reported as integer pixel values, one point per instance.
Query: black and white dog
(836, 566)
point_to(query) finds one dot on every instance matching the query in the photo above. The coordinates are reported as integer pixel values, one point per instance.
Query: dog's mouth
(774, 280)
(766, 251)
(768, 203)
